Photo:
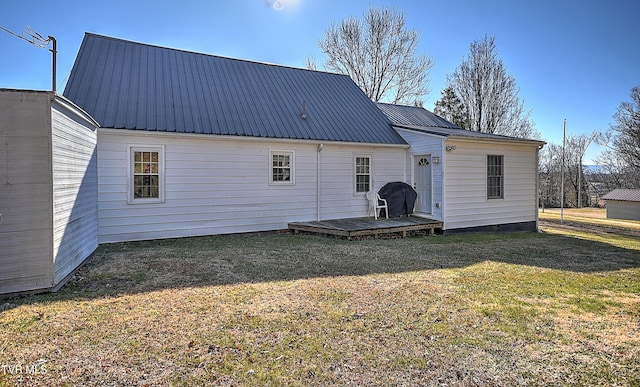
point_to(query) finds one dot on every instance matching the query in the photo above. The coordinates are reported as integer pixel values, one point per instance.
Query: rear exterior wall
(221, 185)
(467, 205)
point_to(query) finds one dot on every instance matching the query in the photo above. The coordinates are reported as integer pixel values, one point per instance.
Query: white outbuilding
(623, 204)
(48, 189)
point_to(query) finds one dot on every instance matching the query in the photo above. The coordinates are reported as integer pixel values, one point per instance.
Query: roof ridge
(208, 54)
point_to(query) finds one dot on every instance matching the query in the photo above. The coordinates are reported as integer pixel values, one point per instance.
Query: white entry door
(422, 184)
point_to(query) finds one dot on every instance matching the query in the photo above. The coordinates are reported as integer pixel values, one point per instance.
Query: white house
(195, 144)
(48, 194)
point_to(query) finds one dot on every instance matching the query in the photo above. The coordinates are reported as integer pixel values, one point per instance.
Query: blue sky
(571, 59)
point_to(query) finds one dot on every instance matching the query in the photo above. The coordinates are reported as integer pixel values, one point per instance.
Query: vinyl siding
(25, 195)
(75, 209)
(427, 144)
(466, 184)
(337, 176)
(220, 185)
(617, 209)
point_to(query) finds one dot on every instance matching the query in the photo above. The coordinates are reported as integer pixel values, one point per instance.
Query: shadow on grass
(134, 267)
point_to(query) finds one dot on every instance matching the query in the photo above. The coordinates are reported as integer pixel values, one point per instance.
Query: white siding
(337, 176)
(25, 191)
(618, 209)
(427, 144)
(219, 185)
(75, 195)
(466, 184)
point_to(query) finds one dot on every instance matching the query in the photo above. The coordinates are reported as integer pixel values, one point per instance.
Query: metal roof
(468, 134)
(626, 195)
(136, 86)
(414, 116)
(421, 120)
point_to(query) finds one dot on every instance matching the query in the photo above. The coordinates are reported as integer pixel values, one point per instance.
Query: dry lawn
(561, 307)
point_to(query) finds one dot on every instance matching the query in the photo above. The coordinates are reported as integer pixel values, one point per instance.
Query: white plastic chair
(376, 203)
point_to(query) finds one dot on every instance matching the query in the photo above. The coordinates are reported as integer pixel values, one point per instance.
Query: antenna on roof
(35, 39)
(304, 110)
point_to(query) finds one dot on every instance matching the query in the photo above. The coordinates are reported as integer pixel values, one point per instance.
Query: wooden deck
(359, 227)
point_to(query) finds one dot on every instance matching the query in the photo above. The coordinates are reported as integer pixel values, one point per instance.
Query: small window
(495, 177)
(363, 174)
(146, 175)
(282, 170)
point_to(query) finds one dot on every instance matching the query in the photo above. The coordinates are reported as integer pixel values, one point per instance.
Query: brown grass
(586, 212)
(561, 307)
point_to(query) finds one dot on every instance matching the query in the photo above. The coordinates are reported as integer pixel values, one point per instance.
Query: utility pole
(564, 138)
(54, 53)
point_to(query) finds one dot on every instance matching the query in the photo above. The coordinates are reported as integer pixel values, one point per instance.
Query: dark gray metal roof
(625, 195)
(129, 85)
(414, 116)
(421, 120)
(460, 133)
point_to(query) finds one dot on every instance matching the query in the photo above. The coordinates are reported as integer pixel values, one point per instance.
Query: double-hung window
(495, 176)
(282, 170)
(146, 175)
(362, 173)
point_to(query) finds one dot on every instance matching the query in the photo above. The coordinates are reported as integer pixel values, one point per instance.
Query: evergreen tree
(451, 108)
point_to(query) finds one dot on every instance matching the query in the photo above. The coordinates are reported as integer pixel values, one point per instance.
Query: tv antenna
(35, 39)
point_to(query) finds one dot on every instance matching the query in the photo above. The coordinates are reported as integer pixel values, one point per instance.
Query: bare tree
(620, 162)
(379, 53)
(310, 63)
(576, 147)
(614, 172)
(576, 189)
(550, 165)
(489, 94)
(626, 129)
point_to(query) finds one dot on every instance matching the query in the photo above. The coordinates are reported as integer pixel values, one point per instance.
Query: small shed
(48, 194)
(623, 204)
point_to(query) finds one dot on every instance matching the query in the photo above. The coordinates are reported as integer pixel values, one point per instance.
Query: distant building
(623, 204)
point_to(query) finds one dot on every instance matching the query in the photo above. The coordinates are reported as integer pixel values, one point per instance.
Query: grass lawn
(560, 307)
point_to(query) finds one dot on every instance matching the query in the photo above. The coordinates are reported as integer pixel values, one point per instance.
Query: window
(282, 171)
(495, 177)
(146, 175)
(363, 174)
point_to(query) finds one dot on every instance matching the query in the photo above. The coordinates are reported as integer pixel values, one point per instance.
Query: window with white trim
(282, 168)
(495, 176)
(362, 173)
(146, 168)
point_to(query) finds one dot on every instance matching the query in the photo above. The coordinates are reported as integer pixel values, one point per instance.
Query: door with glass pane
(422, 183)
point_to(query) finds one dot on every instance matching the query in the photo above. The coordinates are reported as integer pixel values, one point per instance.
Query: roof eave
(502, 140)
(434, 130)
(130, 132)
